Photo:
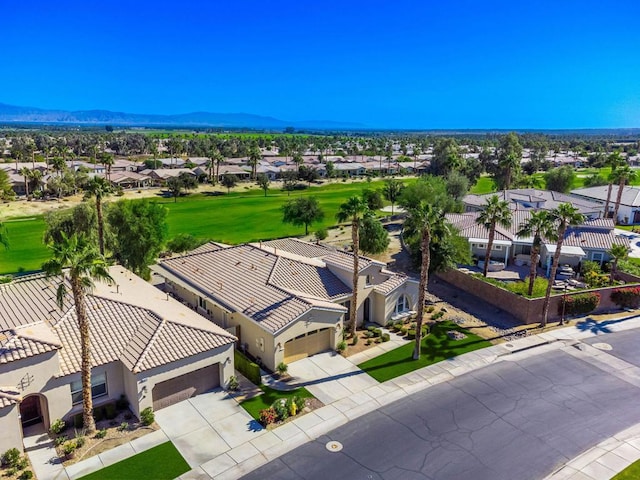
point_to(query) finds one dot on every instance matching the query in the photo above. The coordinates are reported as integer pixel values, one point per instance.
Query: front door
(366, 311)
(30, 411)
(636, 216)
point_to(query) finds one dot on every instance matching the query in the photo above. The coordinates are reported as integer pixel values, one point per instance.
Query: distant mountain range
(17, 114)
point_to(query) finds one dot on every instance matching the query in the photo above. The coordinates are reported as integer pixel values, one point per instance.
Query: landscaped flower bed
(275, 407)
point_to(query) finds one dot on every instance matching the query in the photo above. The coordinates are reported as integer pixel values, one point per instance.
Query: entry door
(636, 216)
(30, 412)
(367, 310)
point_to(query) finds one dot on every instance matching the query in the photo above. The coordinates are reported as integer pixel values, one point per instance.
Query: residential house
(239, 172)
(145, 345)
(629, 211)
(286, 299)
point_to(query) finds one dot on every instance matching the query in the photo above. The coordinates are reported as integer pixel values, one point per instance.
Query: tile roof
(298, 247)
(9, 396)
(310, 279)
(528, 198)
(139, 325)
(389, 285)
(630, 194)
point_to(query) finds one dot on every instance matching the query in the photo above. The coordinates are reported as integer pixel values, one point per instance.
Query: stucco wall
(11, 436)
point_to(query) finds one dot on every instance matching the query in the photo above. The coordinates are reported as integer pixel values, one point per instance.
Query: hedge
(579, 304)
(247, 368)
(626, 297)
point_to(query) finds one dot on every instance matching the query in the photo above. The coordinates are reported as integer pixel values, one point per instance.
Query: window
(597, 257)
(202, 303)
(402, 305)
(368, 280)
(498, 247)
(98, 388)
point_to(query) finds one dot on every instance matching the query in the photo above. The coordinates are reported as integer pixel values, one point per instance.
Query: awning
(495, 242)
(567, 250)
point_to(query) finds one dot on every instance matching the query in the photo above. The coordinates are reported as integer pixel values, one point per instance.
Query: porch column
(506, 256)
(548, 264)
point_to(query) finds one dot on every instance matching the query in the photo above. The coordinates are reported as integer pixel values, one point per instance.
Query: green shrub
(368, 342)
(437, 316)
(57, 427)
(369, 334)
(10, 458)
(268, 416)
(234, 384)
(579, 304)
(22, 463)
(321, 234)
(69, 447)
(147, 417)
(411, 334)
(522, 288)
(11, 471)
(110, 411)
(385, 337)
(101, 433)
(26, 475)
(300, 402)
(378, 332)
(247, 368)
(371, 329)
(60, 440)
(430, 309)
(397, 326)
(123, 426)
(404, 330)
(355, 339)
(342, 346)
(628, 297)
(281, 409)
(80, 441)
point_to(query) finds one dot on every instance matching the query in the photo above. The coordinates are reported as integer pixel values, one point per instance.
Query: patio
(511, 273)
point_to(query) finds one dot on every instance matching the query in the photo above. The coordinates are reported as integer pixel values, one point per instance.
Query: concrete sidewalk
(220, 440)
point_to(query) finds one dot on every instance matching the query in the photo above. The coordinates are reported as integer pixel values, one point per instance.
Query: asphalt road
(511, 420)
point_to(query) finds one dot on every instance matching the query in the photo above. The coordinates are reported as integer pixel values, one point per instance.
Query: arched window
(402, 305)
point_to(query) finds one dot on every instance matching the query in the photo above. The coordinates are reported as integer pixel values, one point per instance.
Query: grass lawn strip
(160, 463)
(256, 404)
(436, 346)
(632, 472)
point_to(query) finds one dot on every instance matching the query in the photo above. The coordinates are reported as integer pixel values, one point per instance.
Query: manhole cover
(334, 446)
(602, 346)
(508, 345)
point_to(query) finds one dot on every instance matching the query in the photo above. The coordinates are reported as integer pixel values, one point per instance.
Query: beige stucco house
(285, 299)
(145, 345)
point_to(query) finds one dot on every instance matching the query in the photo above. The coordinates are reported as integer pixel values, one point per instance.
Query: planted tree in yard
(254, 157)
(289, 180)
(421, 220)
(229, 181)
(392, 190)
(374, 239)
(613, 161)
(302, 211)
(560, 179)
(79, 263)
(354, 210)
(509, 154)
(563, 216)
(496, 212)
(99, 188)
(623, 175)
(617, 252)
(263, 181)
(539, 226)
(26, 173)
(373, 199)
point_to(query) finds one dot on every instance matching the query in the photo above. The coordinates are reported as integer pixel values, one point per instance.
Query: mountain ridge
(19, 114)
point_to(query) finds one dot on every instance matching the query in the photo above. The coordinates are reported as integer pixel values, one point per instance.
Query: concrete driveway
(208, 425)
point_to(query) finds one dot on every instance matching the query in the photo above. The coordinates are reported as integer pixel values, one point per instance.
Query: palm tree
(422, 219)
(509, 165)
(78, 262)
(254, 157)
(618, 252)
(623, 174)
(539, 226)
(26, 173)
(496, 212)
(106, 159)
(614, 161)
(99, 188)
(392, 189)
(354, 210)
(563, 216)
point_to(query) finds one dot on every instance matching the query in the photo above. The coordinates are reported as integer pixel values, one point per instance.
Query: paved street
(521, 419)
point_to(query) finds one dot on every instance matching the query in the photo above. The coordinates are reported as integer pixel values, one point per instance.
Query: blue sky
(394, 64)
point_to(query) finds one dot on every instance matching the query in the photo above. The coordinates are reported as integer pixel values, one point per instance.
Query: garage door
(307, 344)
(185, 386)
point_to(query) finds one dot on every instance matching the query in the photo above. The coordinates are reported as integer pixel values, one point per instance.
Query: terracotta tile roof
(389, 285)
(528, 198)
(135, 334)
(26, 341)
(310, 279)
(9, 396)
(298, 247)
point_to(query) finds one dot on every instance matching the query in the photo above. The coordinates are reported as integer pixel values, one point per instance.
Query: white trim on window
(98, 388)
(402, 304)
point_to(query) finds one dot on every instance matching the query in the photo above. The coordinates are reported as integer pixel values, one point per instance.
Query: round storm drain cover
(508, 345)
(334, 446)
(602, 346)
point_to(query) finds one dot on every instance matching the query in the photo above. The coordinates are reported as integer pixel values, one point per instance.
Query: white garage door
(185, 386)
(307, 344)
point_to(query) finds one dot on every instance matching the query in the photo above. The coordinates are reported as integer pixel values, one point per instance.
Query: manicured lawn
(235, 218)
(256, 404)
(483, 185)
(632, 472)
(160, 463)
(435, 347)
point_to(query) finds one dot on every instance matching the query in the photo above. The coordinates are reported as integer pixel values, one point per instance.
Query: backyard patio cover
(567, 250)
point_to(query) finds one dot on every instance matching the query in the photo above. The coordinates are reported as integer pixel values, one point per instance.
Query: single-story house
(534, 199)
(349, 169)
(286, 299)
(629, 211)
(145, 345)
(590, 241)
(234, 170)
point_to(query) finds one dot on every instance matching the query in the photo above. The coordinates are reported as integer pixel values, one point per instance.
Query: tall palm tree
(539, 226)
(618, 252)
(422, 219)
(26, 173)
(99, 188)
(623, 174)
(354, 210)
(563, 216)
(614, 161)
(509, 165)
(78, 262)
(496, 212)
(392, 189)
(254, 157)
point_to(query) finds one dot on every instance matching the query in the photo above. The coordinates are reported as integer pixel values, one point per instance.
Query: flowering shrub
(579, 304)
(626, 297)
(268, 416)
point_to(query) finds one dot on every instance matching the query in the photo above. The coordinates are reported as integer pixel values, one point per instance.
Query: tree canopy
(302, 211)
(374, 238)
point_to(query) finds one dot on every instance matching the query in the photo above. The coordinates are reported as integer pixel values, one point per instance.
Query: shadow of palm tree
(254, 426)
(592, 325)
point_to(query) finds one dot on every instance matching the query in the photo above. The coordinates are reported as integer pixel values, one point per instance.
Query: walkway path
(220, 440)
